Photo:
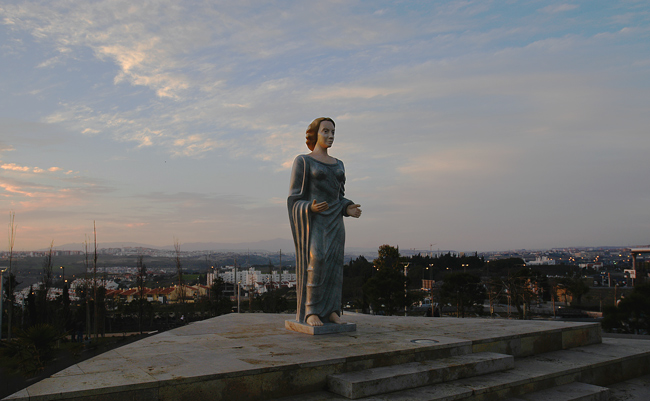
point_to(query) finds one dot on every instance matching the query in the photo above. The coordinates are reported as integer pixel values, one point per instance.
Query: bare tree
(142, 274)
(95, 284)
(48, 273)
(46, 284)
(520, 287)
(494, 290)
(10, 277)
(251, 292)
(86, 265)
(179, 269)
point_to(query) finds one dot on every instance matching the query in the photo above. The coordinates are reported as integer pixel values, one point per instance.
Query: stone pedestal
(252, 356)
(327, 328)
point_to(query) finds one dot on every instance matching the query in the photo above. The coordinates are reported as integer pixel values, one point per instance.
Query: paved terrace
(249, 356)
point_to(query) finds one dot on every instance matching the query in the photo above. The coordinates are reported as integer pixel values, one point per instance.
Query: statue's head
(312, 131)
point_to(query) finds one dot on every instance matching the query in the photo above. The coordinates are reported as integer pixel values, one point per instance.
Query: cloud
(51, 62)
(26, 169)
(56, 195)
(31, 193)
(354, 93)
(465, 105)
(194, 145)
(477, 161)
(14, 167)
(5, 148)
(27, 188)
(559, 8)
(126, 38)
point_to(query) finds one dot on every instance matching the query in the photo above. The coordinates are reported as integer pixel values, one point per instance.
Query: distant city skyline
(473, 126)
(282, 245)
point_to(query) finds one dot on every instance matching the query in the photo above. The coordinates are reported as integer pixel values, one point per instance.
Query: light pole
(2, 272)
(237, 282)
(405, 289)
(211, 284)
(429, 274)
(423, 282)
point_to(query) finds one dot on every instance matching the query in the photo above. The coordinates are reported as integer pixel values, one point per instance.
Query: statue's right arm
(297, 185)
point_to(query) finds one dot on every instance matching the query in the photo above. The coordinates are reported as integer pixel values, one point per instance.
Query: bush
(32, 349)
(632, 315)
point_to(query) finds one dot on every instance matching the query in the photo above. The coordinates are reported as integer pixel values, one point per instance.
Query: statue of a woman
(316, 209)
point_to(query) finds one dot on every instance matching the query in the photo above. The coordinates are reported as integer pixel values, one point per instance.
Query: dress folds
(319, 238)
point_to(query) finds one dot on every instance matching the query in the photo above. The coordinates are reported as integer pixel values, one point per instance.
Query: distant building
(594, 266)
(254, 280)
(541, 260)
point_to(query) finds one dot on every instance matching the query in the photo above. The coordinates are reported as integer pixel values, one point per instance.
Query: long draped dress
(319, 237)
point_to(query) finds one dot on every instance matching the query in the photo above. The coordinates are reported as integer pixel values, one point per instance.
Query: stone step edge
(457, 390)
(410, 375)
(575, 391)
(590, 373)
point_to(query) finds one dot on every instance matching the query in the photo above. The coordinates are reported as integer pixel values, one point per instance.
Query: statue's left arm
(350, 208)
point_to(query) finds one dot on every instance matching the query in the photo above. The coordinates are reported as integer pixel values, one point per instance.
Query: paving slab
(254, 356)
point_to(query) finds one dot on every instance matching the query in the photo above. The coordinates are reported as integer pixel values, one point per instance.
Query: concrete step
(569, 392)
(637, 389)
(613, 361)
(387, 379)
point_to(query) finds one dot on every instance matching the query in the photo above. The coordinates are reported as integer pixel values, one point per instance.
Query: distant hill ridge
(273, 245)
(266, 245)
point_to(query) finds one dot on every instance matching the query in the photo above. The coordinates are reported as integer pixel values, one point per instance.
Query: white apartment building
(544, 260)
(255, 278)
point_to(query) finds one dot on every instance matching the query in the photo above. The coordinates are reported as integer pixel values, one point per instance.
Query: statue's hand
(353, 210)
(319, 207)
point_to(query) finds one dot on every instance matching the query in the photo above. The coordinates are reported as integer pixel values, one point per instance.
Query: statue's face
(325, 134)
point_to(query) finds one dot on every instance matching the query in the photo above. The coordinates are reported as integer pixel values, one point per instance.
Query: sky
(464, 125)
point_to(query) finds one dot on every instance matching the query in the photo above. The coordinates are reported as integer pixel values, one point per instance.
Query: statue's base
(251, 356)
(327, 328)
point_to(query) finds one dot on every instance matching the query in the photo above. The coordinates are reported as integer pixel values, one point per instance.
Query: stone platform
(253, 356)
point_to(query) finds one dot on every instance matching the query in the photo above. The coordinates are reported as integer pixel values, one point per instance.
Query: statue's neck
(321, 155)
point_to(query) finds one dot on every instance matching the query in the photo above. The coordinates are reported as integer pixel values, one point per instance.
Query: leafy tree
(502, 267)
(9, 286)
(632, 314)
(274, 301)
(575, 285)
(61, 310)
(385, 289)
(220, 304)
(11, 279)
(31, 306)
(355, 275)
(466, 290)
(43, 306)
(142, 309)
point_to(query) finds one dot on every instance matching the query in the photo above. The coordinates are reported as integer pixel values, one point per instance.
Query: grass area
(190, 278)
